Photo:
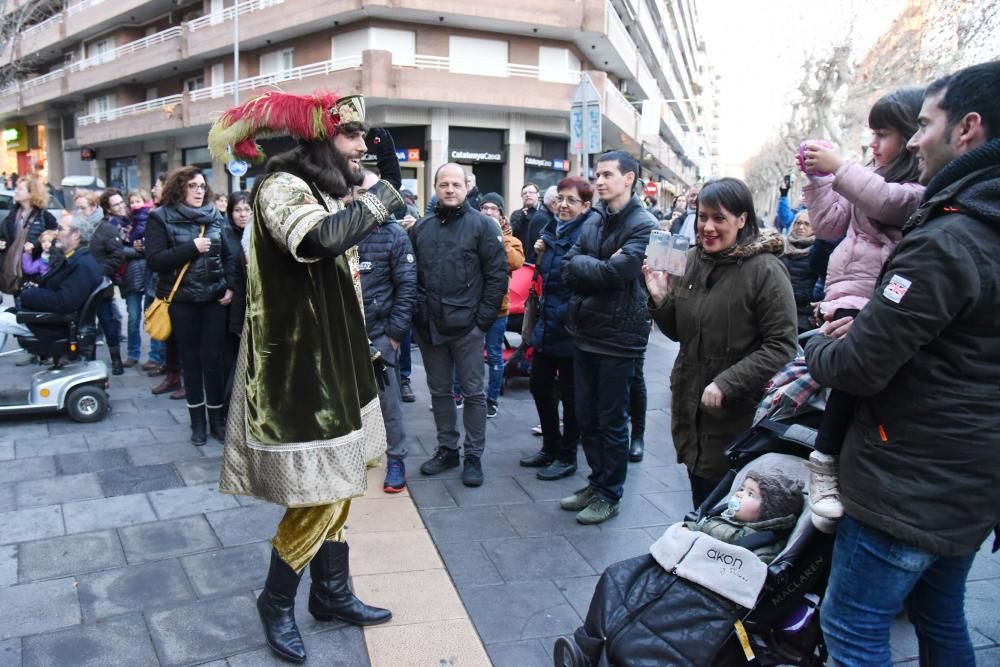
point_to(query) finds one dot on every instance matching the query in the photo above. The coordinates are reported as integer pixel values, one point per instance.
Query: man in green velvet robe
(304, 418)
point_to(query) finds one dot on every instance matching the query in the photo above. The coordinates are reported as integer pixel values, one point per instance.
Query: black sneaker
(442, 460)
(492, 409)
(406, 392)
(459, 401)
(472, 474)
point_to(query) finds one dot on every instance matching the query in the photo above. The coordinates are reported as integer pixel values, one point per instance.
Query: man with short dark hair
(610, 324)
(920, 466)
(521, 218)
(462, 279)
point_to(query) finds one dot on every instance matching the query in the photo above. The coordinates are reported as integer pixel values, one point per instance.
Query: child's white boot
(824, 487)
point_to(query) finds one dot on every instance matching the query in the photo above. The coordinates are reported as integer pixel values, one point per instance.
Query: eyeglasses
(572, 201)
(489, 207)
(197, 186)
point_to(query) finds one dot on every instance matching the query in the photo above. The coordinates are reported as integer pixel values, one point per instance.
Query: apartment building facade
(126, 89)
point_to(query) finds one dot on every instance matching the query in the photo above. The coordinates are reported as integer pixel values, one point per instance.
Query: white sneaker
(824, 487)
(536, 430)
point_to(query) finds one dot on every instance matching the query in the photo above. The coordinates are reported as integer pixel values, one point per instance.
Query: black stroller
(643, 615)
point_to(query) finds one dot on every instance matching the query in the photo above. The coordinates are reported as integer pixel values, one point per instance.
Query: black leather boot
(116, 360)
(331, 597)
(199, 425)
(635, 450)
(217, 423)
(276, 606)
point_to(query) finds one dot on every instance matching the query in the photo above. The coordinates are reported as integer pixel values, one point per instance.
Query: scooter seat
(30, 317)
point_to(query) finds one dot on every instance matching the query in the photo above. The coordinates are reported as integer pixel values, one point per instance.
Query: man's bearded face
(349, 149)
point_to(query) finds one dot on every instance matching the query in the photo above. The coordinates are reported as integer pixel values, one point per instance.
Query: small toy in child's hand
(801, 156)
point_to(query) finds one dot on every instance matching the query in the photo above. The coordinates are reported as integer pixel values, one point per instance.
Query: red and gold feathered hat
(307, 117)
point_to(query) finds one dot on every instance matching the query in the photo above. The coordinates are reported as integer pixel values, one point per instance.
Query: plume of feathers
(306, 117)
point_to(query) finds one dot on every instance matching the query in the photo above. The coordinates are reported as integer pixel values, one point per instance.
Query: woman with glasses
(186, 231)
(239, 214)
(553, 360)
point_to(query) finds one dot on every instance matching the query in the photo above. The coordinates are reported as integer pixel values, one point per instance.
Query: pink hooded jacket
(861, 206)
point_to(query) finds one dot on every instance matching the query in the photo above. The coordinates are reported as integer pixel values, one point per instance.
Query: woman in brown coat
(733, 313)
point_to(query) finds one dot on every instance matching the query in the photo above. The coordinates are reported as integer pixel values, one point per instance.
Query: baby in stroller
(736, 583)
(759, 516)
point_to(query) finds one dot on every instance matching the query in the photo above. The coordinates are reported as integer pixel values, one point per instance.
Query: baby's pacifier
(732, 507)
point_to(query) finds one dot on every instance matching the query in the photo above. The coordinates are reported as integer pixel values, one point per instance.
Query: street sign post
(585, 125)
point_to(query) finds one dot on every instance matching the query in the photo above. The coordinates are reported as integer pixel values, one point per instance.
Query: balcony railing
(294, 74)
(38, 27)
(83, 5)
(228, 13)
(483, 68)
(114, 114)
(45, 78)
(126, 49)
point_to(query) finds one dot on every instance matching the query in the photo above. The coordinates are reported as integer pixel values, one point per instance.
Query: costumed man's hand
(380, 143)
(381, 367)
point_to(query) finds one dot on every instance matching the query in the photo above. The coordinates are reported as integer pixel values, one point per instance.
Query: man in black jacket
(70, 280)
(520, 219)
(920, 465)
(610, 324)
(462, 279)
(389, 288)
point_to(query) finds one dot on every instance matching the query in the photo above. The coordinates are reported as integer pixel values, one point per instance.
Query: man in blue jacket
(389, 289)
(610, 324)
(920, 465)
(70, 280)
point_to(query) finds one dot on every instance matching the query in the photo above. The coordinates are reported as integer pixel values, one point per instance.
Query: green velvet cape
(304, 417)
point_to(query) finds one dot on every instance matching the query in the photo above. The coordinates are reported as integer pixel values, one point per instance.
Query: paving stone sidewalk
(526, 570)
(117, 549)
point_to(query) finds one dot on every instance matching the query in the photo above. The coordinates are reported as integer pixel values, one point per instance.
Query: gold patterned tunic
(304, 417)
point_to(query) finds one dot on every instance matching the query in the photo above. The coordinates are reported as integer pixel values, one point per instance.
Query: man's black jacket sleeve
(493, 260)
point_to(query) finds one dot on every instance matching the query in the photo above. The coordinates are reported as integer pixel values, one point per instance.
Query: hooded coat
(736, 329)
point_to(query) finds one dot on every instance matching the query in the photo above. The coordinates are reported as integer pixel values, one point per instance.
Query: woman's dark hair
(238, 197)
(734, 196)
(898, 111)
(175, 187)
(106, 199)
(582, 187)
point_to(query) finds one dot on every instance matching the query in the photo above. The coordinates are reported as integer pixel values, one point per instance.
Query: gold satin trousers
(303, 530)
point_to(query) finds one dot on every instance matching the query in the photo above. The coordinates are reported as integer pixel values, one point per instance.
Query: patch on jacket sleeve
(897, 288)
(409, 258)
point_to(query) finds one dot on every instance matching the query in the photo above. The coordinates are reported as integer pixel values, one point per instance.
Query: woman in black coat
(30, 199)
(796, 259)
(187, 231)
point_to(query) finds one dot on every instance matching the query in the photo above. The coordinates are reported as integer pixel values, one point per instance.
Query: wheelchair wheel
(87, 404)
(568, 654)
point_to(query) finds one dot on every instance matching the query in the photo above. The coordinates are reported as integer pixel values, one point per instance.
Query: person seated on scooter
(764, 502)
(73, 275)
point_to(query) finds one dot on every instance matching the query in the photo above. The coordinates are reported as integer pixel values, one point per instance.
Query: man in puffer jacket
(920, 466)
(389, 290)
(610, 325)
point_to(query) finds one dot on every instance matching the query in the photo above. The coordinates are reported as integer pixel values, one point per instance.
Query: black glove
(380, 143)
(785, 185)
(381, 368)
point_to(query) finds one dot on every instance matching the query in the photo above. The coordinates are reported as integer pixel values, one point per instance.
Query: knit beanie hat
(492, 198)
(780, 496)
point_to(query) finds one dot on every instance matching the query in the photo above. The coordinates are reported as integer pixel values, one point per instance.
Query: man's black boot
(276, 606)
(115, 353)
(442, 460)
(330, 596)
(635, 450)
(472, 473)
(199, 425)
(217, 423)
(406, 391)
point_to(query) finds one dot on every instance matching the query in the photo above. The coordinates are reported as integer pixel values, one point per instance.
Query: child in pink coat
(868, 207)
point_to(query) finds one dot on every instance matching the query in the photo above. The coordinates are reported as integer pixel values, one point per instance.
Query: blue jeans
(136, 309)
(872, 577)
(494, 356)
(602, 394)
